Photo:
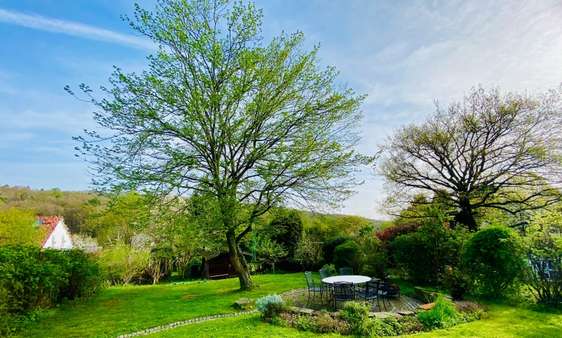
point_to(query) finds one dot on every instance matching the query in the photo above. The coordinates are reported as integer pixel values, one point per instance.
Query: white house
(57, 235)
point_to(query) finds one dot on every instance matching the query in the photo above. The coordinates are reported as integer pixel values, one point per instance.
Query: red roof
(49, 223)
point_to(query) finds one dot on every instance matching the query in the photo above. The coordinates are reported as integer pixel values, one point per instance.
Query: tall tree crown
(221, 112)
(489, 151)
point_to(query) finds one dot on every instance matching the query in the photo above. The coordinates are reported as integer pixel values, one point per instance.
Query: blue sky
(403, 54)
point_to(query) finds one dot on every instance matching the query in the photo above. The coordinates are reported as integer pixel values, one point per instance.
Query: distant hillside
(75, 206)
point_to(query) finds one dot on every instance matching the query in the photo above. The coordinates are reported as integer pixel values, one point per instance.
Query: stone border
(173, 325)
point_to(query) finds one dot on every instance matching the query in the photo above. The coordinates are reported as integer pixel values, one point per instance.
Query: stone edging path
(173, 325)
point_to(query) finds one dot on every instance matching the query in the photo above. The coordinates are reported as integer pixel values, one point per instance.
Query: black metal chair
(311, 287)
(325, 288)
(346, 270)
(342, 292)
(370, 292)
(388, 291)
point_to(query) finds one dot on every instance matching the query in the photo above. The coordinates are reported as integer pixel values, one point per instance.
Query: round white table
(355, 279)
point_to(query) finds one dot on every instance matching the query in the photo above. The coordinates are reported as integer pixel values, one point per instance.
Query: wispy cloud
(72, 28)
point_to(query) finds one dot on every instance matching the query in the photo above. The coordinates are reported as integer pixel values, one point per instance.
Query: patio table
(355, 279)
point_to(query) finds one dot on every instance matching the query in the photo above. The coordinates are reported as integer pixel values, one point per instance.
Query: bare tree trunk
(465, 216)
(238, 262)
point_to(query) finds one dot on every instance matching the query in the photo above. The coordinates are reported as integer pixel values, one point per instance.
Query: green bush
(424, 255)
(31, 278)
(493, 260)
(374, 257)
(356, 314)
(270, 306)
(442, 315)
(348, 254)
(544, 250)
(123, 263)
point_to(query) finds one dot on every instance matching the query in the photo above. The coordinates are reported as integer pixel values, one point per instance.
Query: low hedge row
(32, 278)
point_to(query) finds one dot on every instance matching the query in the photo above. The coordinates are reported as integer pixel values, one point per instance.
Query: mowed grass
(119, 310)
(502, 321)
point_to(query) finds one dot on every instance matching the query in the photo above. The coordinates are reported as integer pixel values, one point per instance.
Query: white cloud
(73, 28)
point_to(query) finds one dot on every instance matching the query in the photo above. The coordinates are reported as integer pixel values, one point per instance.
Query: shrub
(31, 278)
(348, 254)
(330, 245)
(544, 250)
(392, 232)
(442, 315)
(308, 252)
(374, 257)
(423, 255)
(493, 260)
(356, 314)
(270, 306)
(330, 269)
(457, 282)
(122, 263)
(326, 323)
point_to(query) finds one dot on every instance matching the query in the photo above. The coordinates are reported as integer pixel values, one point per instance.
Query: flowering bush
(270, 306)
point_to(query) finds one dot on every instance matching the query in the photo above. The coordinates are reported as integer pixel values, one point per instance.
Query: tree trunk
(238, 262)
(465, 216)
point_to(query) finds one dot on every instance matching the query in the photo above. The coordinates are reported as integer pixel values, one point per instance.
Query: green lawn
(120, 310)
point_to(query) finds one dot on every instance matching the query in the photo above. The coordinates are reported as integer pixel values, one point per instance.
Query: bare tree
(489, 151)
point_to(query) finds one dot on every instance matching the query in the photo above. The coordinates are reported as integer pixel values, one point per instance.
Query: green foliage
(442, 315)
(123, 263)
(330, 269)
(374, 256)
(544, 250)
(493, 259)
(286, 229)
(31, 278)
(270, 306)
(425, 253)
(309, 252)
(276, 124)
(268, 251)
(348, 254)
(491, 150)
(356, 314)
(19, 227)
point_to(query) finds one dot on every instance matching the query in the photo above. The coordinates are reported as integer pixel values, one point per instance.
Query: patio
(402, 304)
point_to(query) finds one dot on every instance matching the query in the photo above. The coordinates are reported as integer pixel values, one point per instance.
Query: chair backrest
(309, 280)
(388, 289)
(372, 287)
(343, 290)
(346, 270)
(324, 273)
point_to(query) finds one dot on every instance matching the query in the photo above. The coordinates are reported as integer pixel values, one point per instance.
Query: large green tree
(488, 151)
(223, 113)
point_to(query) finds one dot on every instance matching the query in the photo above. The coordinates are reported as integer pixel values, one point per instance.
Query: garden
(210, 168)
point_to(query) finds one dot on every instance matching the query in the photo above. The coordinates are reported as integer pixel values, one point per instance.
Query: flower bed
(355, 318)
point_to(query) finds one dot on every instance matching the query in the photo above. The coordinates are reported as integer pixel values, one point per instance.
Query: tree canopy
(489, 151)
(223, 113)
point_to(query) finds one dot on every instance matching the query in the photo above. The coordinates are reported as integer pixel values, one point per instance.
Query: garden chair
(312, 289)
(325, 287)
(388, 291)
(342, 292)
(370, 292)
(346, 270)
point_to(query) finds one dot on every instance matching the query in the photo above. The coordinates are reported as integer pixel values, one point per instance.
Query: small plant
(442, 315)
(305, 323)
(357, 315)
(270, 306)
(326, 323)
(330, 269)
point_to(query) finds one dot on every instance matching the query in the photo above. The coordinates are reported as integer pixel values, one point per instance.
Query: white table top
(355, 279)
